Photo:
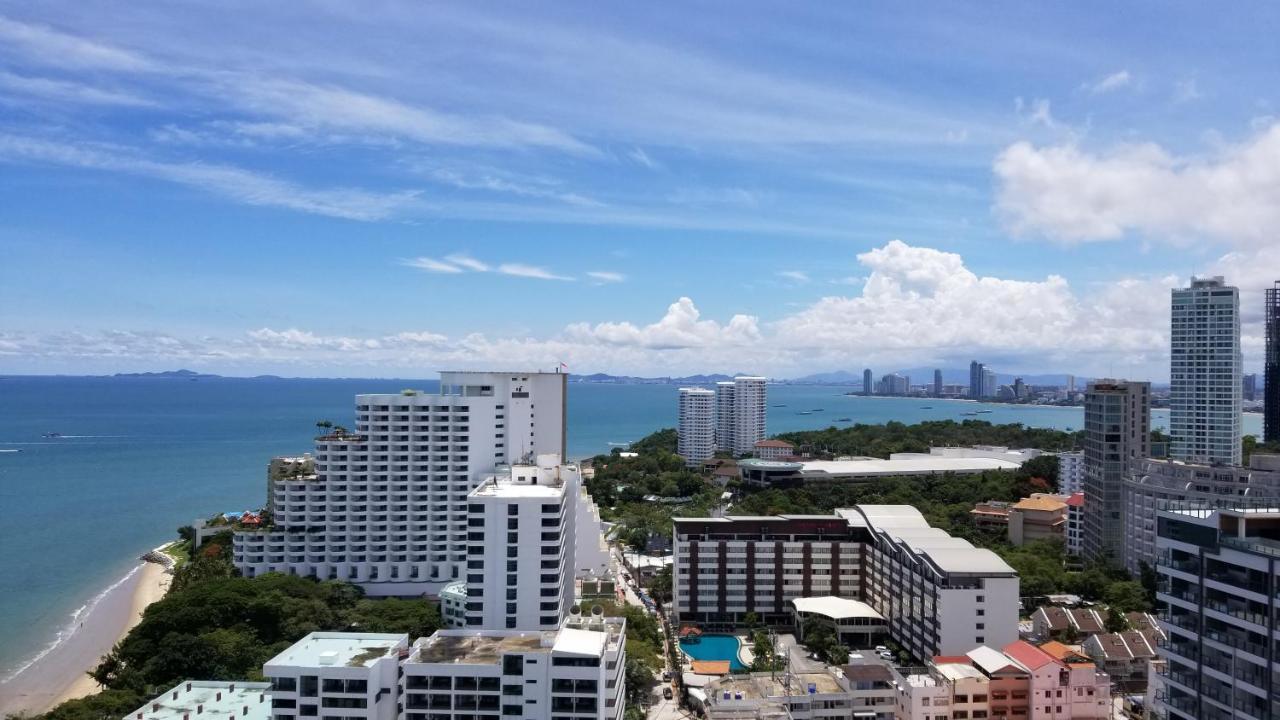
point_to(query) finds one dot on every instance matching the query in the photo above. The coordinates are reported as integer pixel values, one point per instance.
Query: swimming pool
(715, 647)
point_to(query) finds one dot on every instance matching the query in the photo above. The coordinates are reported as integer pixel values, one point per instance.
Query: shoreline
(60, 672)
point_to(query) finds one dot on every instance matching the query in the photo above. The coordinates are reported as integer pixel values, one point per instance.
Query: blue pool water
(715, 647)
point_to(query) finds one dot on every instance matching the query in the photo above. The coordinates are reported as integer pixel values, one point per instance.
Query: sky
(386, 189)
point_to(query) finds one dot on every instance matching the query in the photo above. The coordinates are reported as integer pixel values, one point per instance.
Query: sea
(136, 458)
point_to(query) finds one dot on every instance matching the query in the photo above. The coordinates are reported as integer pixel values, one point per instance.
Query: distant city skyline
(386, 191)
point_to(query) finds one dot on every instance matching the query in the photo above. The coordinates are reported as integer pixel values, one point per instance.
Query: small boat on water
(844, 419)
(804, 412)
(52, 435)
(984, 412)
(969, 414)
(779, 405)
(817, 409)
(926, 407)
(6, 450)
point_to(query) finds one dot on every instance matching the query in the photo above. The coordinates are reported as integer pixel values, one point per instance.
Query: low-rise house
(941, 691)
(774, 449)
(991, 515)
(1125, 655)
(1051, 622)
(1038, 517)
(1062, 689)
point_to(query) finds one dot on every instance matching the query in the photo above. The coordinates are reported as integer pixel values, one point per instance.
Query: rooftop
(918, 465)
(1042, 503)
(836, 608)
(342, 649)
(476, 648)
(760, 686)
(774, 444)
(212, 699)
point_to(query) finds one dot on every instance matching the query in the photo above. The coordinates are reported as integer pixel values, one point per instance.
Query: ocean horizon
(135, 458)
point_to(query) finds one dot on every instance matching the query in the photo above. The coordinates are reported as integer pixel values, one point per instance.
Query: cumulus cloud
(918, 305)
(1069, 194)
(681, 328)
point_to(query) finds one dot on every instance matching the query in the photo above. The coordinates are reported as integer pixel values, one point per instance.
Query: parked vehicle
(666, 692)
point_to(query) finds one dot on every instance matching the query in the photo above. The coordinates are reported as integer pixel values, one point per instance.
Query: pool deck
(745, 656)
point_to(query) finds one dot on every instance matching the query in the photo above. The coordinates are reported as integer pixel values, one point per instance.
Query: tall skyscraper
(386, 507)
(895, 384)
(696, 425)
(989, 385)
(1271, 367)
(1204, 373)
(868, 386)
(741, 407)
(1117, 425)
(1249, 387)
(724, 416)
(750, 408)
(976, 378)
(937, 383)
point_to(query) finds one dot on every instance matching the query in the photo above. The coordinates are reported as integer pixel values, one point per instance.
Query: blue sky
(320, 189)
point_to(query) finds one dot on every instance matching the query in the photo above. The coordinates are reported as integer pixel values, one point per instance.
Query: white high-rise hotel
(741, 406)
(1205, 372)
(697, 425)
(387, 505)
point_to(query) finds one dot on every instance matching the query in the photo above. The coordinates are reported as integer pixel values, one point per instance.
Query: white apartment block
(521, 546)
(573, 673)
(741, 414)
(1070, 472)
(337, 676)
(387, 505)
(1204, 373)
(941, 691)
(1075, 525)
(1153, 483)
(209, 700)
(939, 594)
(1218, 588)
(727, 567)
(696, 425)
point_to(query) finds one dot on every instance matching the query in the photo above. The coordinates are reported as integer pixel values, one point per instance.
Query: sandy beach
(60, 675)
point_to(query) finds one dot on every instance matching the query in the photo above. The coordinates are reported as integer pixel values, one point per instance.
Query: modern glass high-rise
(1204, 373)
(1271, 367)
(977, 373)
(868, 384)
(1117, 428)
(937, 383)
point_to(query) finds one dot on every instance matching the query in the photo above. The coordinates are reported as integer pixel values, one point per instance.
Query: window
(513, 509)
(513, 665)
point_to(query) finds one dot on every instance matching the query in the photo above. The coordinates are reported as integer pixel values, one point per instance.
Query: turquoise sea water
(714, 647)
(140, 457)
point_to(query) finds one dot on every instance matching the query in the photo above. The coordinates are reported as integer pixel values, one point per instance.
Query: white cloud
(59, 49)
(918, 306)
(461, 262)
(606, 276)
(506, 183)
(72, 92)
(680, 329)
(431, 265)
(1071, 195)
(467, 262)
(530, 271)
(231, 182)
(799, 276)
(1114, 81)
(641, 157)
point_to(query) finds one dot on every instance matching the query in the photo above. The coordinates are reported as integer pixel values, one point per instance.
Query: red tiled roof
(1030, 656)
(773, 444)
(1076, 499)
